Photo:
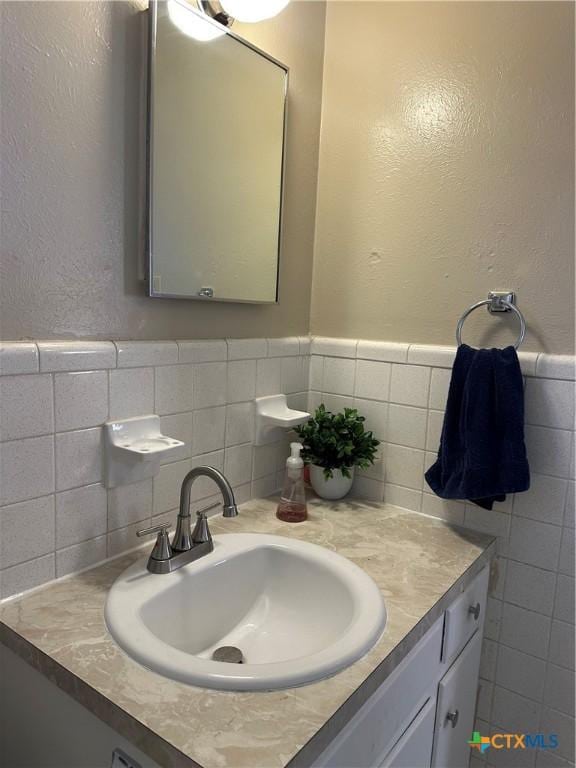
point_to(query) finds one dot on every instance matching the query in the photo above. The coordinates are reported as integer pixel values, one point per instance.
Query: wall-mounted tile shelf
(273, 417)
(132, 449)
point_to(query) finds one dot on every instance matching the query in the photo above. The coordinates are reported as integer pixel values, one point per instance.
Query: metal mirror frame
(151, 52)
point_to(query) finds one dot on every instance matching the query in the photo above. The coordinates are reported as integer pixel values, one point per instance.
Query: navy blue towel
(482, 455)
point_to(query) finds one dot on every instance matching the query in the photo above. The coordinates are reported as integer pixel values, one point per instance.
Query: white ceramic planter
(335, 487)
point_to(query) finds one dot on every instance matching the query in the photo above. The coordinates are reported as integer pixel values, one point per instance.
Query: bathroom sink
(295, 611)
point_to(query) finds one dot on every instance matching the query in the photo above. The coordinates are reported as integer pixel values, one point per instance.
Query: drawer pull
(453, 717)
(475, 611)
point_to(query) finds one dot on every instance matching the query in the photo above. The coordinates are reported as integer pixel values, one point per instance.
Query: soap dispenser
(292, 506)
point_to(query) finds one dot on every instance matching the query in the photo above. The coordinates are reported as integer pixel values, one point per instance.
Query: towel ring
(495, 303)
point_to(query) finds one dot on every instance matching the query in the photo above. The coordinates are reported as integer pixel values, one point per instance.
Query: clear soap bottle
(292, 506)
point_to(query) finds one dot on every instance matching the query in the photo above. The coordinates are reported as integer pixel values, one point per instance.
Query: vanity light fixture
(192, 23)
(227, 11)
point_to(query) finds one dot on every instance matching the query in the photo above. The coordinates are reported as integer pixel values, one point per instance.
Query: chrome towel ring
(497, 301)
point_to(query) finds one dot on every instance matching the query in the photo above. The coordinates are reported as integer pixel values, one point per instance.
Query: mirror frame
(151, 53)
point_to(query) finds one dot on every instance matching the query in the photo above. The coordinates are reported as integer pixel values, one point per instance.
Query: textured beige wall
(446, 170)
(69, 151)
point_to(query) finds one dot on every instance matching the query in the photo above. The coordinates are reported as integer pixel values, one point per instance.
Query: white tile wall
(26, 406)
(28, 530)
(268, 376)
(76, 355)
(402, 391)
(384, 351)
(173, 389)
(247, 349)
(131, 392)
(284, 347)
(208, 430)
(294, 374)
(530, 587)
(512, 711)
(56, 517)
(334, 347)
(78, 458)
(439, 383)
(129, 504)
(135, 354)
(239, 424)
(80, 556)
(80, 399)
(428, 355)
(407, 426)
(549, 450)
(524, 630)
(81, 514)
(26, 469)
(339, 376)
(211, 351)
(544, 500)
(210, 384)
(372, 379)
(55, 514)
(562, 644)
(19, 357)
(241, 377)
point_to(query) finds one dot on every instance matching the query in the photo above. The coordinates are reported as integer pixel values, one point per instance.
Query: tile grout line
(54, 470)
(103, 483)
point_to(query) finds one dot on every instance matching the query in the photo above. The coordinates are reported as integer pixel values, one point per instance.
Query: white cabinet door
(455, 709)
(414, 748)
(367, 739)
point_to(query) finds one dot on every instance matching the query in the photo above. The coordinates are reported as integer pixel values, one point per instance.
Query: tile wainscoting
(527, 678)
(56, 517)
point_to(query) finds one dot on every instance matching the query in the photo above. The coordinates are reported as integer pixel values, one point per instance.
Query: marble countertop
(419, 563)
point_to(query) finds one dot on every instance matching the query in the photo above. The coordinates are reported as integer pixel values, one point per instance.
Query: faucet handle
(153, 529)
(162, 549)
(201, 533)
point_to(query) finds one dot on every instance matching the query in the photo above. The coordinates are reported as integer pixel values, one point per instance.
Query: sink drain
(229, 654)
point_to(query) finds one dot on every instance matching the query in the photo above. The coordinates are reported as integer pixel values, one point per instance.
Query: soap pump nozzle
(294, 463)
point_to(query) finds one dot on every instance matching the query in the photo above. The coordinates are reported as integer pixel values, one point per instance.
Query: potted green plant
(334, 445)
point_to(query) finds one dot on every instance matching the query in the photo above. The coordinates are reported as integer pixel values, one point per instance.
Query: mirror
(216, 147)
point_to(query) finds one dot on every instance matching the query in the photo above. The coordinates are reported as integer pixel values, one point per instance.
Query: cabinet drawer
(465, 616)
(455, 708)
(367, 738)
(414, 748)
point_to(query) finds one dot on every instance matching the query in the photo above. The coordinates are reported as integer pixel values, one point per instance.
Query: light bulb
(193, 24)
(253, 10)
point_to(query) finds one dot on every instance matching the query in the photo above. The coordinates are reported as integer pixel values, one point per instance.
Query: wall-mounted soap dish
(273, 418)
(133, 448)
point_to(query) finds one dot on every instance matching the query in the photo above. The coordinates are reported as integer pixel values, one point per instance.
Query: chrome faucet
(187, 544)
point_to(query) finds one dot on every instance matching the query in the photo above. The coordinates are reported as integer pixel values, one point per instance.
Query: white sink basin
(297, 612)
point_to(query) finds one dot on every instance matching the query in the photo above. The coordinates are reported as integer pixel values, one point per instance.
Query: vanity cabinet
(455, 708)
(413, 747)
(422, 716)
(391, 711)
